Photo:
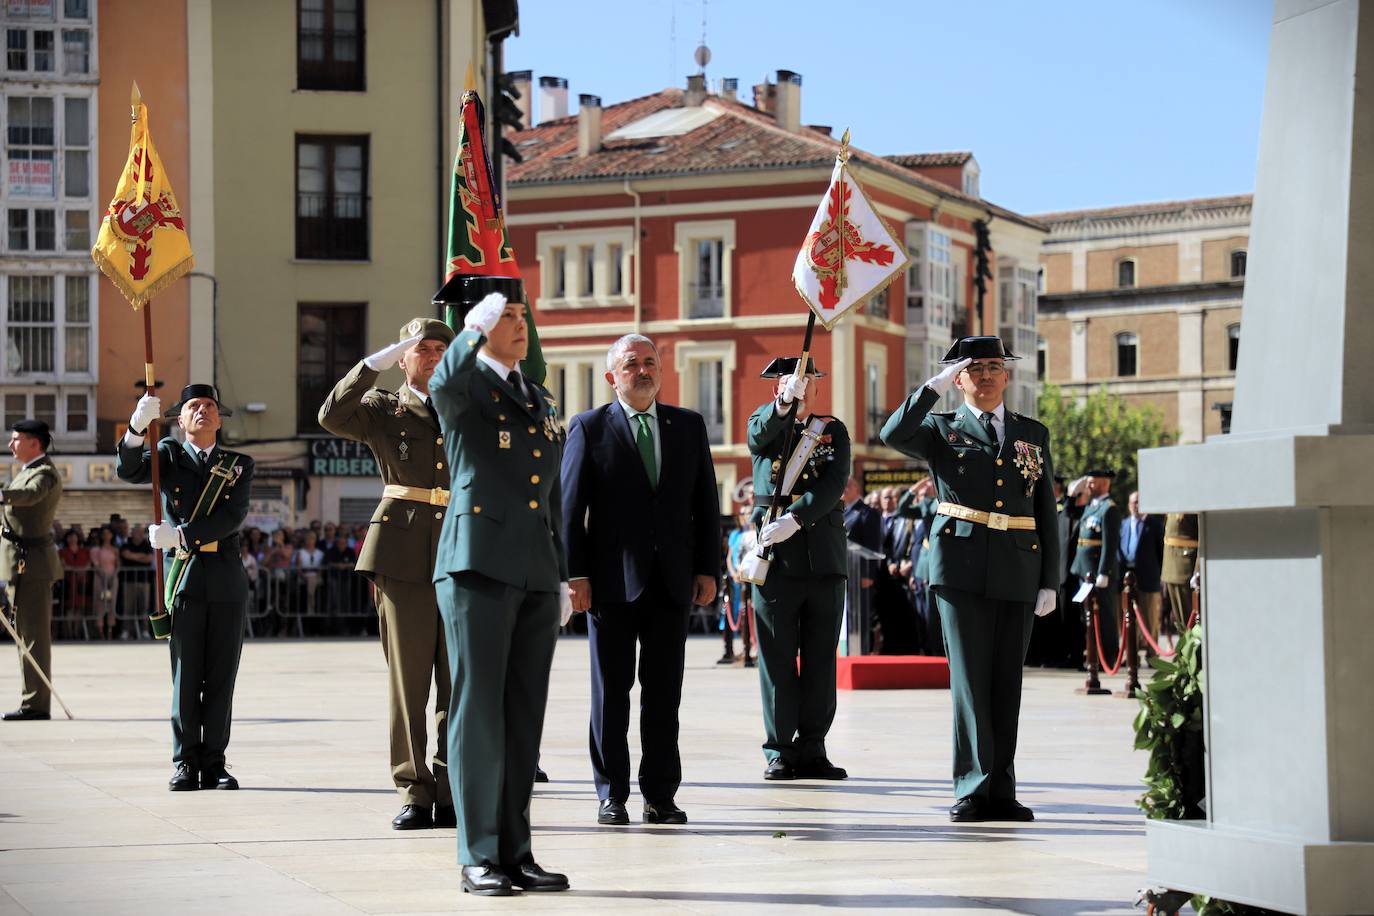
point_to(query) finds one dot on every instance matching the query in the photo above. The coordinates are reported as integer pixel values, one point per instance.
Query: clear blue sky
(1065, 103)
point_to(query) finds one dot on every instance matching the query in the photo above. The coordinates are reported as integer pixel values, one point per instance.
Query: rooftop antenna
(702, 54)
(672, 44)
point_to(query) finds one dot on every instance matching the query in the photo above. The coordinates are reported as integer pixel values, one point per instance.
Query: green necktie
(645, 441)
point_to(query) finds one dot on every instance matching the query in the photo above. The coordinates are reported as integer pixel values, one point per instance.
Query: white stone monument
(1287, 503)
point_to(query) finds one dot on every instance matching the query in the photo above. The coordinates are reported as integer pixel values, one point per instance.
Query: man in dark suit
(1141, 549)
(642, 526)
(862, 523)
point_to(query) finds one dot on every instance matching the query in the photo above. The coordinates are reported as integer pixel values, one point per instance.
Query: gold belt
(186, 554)
(994, 520)
(435, 497)
(1172, 541)
(1089, 542)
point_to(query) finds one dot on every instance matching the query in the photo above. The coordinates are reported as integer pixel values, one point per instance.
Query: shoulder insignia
(380, 397)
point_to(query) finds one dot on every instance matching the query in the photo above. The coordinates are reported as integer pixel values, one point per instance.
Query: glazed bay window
(706, 372)
(711, 398)
(331, 197)
(704, 251)
(30, 146)
(47, 328)
(47, 195)
(582, 268)
(33, 30)
(932, 283)
(329, 45)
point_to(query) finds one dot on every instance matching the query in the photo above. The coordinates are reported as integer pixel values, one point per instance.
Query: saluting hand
(942, 382)
(483, 316)
(390, 355)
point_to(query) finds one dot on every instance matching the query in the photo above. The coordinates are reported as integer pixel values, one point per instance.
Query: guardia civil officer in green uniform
(994, 559)
(502, 581)
(205, 491)
(28, 559)
(799, 607)
(1181, 550)
(398, 554)
(1096, 560)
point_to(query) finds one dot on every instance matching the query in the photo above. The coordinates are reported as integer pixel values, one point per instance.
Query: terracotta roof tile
(741, 139)
(929, 160)
(1157, 208)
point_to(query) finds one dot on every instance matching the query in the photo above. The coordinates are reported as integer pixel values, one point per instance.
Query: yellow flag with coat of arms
(142, 245)
(849, 253)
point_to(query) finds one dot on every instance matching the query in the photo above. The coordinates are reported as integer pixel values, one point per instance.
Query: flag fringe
(137, 297)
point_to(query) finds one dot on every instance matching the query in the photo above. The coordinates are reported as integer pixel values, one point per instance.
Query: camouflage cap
(428, 328)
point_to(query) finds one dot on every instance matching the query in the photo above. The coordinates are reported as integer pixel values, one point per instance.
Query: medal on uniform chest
(550, 428)
(503, 439)
(403, 450)
(495, 395)
(1030, 462)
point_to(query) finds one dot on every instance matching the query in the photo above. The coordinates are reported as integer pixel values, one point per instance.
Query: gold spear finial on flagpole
(844, 146)
(135, 99)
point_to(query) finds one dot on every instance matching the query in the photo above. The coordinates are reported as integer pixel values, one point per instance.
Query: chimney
(520, 82)
(696, 91)
(823, 129)
(588, 124)
(787, 107)
(553, 98)
(728, 88)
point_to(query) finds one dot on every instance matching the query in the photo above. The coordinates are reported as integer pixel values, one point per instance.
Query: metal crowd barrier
(862, 563)
(91, 605)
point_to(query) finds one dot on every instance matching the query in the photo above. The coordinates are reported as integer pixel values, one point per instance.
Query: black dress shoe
(26, 715)
(217, 778)
(184, 779)
(820, 768)
(445, 816)
(540, 775)
(664, 813)
(530, 877)
(612, 812)
(779, 769)
(749, 662)
(726, 659)
(484, 880)
(414, 817)
(968, 810)
(1008, 809)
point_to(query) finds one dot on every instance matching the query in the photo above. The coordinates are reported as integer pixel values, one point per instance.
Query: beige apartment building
(1145, 300)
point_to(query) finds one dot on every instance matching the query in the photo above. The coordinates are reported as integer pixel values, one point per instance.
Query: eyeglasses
(985, 369)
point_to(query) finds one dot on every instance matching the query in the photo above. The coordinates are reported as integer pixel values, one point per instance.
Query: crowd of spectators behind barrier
(303, 581)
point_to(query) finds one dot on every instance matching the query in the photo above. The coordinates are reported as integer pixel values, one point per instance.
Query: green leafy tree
(1103, 429)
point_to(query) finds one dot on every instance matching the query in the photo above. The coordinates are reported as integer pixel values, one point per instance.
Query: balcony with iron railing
(332, 227)
(705, 300)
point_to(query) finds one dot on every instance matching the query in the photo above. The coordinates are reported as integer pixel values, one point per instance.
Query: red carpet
(892, 672)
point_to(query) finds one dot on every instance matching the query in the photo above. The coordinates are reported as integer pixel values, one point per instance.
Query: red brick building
(679, 215)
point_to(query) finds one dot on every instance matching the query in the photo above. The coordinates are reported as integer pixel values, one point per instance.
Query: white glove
(779, 531)
(1077, 487)
(148, 409)
(484, 315)
(1195, 582)
(794, 387)
(565, 608)
(942, 382)
(387, 356)
(1044, 602)
(1102, 581)
(165, 536)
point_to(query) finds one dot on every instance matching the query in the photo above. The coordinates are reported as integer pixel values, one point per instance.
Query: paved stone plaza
(87, 824)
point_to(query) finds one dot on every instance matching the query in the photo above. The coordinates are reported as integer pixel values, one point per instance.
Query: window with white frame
(48, 325)
(877, 305)
(875, 387)
(1232, 346)
(48, 188)
(576, 379)
(706, 372)
(1042, 357)
(704, 250)
(33, 29)
(931, 277)
(584, 267)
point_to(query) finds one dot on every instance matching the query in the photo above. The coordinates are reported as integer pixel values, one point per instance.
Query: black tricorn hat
(978, 348)
(198, 390)
(36, 428)
(463, 291)
(787, 365)
(1099, 470)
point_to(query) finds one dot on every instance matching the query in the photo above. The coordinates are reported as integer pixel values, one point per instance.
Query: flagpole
(149, 386)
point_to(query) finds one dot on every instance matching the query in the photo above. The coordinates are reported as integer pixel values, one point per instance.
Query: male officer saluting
(502, 582)
(29, 560)
(1099, 533)
(398, 553)
(799, 606)
(994, 559)
(205, 491)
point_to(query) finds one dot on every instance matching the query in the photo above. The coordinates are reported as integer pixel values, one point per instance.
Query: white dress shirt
(999, 422)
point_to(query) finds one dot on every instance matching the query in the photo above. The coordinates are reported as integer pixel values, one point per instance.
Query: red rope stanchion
(1092, 686)
(1108, 670)
(732, 622)
(1149, 640)
(1130, 616)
